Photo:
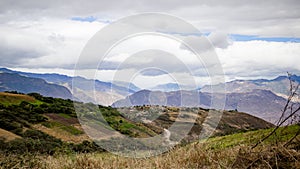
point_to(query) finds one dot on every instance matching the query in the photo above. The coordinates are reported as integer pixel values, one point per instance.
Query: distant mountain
(261, 103)
(173, 98)
(131, 87)
(105, 92)
(279, 86)
(16, 82)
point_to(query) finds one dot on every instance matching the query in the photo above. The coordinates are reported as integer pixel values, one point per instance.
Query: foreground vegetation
(232, 151)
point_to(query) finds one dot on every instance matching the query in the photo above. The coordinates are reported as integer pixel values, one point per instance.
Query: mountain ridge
(83, 89)
(16, 82)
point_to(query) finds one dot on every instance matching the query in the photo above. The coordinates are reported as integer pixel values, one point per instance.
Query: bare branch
(283, 118)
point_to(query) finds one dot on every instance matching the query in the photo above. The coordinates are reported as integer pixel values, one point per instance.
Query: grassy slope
(248, 138)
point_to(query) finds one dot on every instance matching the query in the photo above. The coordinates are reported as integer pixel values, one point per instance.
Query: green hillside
(51, 124)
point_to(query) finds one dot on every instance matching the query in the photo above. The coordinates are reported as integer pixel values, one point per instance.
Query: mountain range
(262, 98)
(279, 86)
(105, 92)
(16, 82)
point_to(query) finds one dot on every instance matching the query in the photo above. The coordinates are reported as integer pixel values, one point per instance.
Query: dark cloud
(11, 56)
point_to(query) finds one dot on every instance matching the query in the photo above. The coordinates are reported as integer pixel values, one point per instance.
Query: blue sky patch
(84, 19)
(237, 37)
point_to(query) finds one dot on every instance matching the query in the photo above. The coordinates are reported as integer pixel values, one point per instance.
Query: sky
(252, 39)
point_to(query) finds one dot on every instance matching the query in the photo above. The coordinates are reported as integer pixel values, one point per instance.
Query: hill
(260, 103)
(56, 118)
(159, 117)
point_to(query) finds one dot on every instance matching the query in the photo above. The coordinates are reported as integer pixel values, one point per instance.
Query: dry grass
(62, 134)
(232, 151)
(10, 98)
(188, 157)
(192, 156)
(8, 136)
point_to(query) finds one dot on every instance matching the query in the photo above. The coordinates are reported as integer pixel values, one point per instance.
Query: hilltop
(260, 103)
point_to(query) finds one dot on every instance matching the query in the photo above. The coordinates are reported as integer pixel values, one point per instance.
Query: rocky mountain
(261, 103)
(85, 89)
(16, 82)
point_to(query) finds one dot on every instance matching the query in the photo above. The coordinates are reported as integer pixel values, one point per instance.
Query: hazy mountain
(131, 87)
(260, 103)
(280, 86)
(16, 82)
(173, 98)
(105, 92)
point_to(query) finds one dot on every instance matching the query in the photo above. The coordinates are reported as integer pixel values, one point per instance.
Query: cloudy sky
(252, 39)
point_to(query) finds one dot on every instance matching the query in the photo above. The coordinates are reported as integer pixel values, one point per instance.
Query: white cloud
(40, 36)
(51, 43)
(219, 39)
(260, 58)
